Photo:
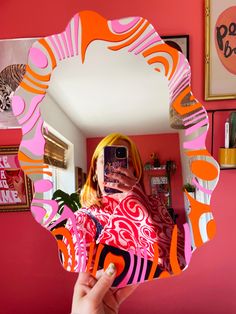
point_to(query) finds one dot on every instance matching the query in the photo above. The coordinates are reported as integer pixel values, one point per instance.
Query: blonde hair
(88, 196)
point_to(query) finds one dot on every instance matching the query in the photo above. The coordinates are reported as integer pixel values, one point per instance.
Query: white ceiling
(112, 92)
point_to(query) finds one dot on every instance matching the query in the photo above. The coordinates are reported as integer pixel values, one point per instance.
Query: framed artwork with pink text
(15, 186)
(220, 49)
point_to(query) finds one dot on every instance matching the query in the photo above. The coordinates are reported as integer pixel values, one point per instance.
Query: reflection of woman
(94, 186)
(128, 221)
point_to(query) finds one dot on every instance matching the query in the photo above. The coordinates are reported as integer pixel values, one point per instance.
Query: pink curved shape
(69, 40)
(144, 265)
(196, 126)
(28, 126)
(124, 282)
(38, 58)
(53, 204)
(187, 246)
(177, 83)
(136, 44)
(34, 103)
(76, 33)
(63, 36)
(43, 185)
(197, 143)
(55, 47)
(18, 105)
(38, 138)
(195, 117)
(67, 214)
(84, 265)
(38, 213)
(194, 181)
(118, 28)
(154, 40)
(135, 280)
(60, 45)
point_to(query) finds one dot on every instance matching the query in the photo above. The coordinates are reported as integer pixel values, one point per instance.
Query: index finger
(103, 284)
(126, 172)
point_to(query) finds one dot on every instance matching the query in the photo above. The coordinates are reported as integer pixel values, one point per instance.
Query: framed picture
(179, 42)
(80, 178)
(220, 49)
(15, 186)
(13, 58)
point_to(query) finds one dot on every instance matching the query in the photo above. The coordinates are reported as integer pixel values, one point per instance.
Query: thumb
(104, 283)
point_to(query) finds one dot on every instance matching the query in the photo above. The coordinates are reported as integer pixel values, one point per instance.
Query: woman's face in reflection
(100, 164)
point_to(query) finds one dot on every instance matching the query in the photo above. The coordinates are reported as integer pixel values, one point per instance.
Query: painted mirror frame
(45, 54)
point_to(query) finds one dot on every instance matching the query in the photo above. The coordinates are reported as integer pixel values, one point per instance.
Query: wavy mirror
(99, 77)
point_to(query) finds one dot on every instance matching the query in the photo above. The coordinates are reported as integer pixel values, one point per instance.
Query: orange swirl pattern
(79, 251)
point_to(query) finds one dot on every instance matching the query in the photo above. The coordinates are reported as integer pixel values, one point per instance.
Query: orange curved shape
(131, 40)
(31, 89)
(197, 209)
(101, 31)
(167, 49)
(43, 86)
(44, 78)
(50, 52)
(155, 261)
(34, 167)
(25, 158)
(211, 229)
(163, 61)
(95, 267)
(117, 260)
(201, 152)
(90, 257)
(173, 252)
(182, 110)
(62, 247)
(65, 233)
(204, 170)
(39, 172)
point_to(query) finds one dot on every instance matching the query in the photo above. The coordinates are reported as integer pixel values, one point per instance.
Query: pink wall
(158, 143)
(32, 280)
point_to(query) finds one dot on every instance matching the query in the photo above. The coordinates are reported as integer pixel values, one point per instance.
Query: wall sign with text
(15, 187)
(220, 50)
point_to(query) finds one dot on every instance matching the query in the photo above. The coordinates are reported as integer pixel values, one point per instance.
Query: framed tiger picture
(13, 59)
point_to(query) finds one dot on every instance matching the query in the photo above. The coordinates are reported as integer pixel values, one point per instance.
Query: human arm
(95, 295)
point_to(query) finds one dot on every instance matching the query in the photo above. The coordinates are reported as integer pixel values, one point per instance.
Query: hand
(125, 177)
(95, 295)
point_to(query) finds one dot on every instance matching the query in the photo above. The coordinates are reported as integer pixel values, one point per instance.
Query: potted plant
(155, 159)
(63, 198)
(189, 188)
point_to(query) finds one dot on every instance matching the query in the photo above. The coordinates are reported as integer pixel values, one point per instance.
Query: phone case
(111, 162)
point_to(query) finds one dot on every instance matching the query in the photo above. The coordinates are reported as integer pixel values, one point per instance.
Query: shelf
(162, 167)
(213, 111)
(227, 168)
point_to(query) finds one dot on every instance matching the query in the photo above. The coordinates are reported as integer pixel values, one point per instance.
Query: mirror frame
(46, 54)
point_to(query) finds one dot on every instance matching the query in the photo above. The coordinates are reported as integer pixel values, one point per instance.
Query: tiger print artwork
(10, 78)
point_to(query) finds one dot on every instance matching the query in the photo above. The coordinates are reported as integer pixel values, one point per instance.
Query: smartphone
(114, 157)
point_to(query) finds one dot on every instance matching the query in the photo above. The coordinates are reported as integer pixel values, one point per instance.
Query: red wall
(158, 143)
(32, 280)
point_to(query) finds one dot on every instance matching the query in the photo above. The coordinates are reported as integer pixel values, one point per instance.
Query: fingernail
(111, 269)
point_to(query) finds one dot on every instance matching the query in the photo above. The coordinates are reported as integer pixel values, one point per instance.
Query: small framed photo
(15, 187)
(179, 42)
(78, 179)
(159, 184)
